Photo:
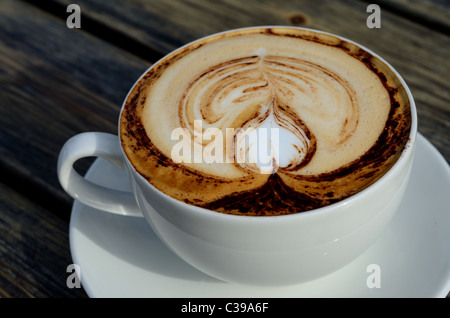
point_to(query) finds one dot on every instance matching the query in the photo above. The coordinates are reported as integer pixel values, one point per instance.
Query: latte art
(268, 121)
(275, 92)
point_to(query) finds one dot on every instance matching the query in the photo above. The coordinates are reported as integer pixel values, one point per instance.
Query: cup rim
(406, 152)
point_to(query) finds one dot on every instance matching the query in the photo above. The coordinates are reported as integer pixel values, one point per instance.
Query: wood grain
(55, 82)
(420, 55)
(34, 250)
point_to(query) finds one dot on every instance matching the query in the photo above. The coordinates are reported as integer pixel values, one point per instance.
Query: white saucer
(120, 256)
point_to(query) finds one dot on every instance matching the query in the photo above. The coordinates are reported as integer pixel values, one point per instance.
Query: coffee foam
(330, 101)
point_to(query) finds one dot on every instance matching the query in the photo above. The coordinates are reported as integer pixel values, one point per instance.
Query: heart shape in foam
(282, 95)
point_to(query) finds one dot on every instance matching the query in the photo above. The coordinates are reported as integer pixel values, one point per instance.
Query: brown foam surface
(340, 116)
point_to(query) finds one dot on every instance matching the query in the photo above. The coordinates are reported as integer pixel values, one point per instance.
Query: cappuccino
(328, 118)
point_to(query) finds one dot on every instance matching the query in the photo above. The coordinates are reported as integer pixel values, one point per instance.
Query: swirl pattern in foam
(276, 92)
(273, 120)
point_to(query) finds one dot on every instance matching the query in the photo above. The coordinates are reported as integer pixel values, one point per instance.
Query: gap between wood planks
(34, 191)
(416, 16)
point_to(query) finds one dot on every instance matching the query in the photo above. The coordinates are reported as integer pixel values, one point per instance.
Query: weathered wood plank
(34, 250)
(418, 53)
(54, 82)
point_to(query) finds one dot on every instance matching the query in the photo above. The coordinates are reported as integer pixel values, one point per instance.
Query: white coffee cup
(275, 250)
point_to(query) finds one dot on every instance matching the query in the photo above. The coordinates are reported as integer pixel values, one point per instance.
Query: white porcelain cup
(275, 250)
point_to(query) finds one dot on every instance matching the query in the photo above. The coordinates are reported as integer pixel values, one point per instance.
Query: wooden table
(57, 81)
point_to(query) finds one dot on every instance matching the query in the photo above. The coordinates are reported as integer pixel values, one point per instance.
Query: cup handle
(101, 145)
